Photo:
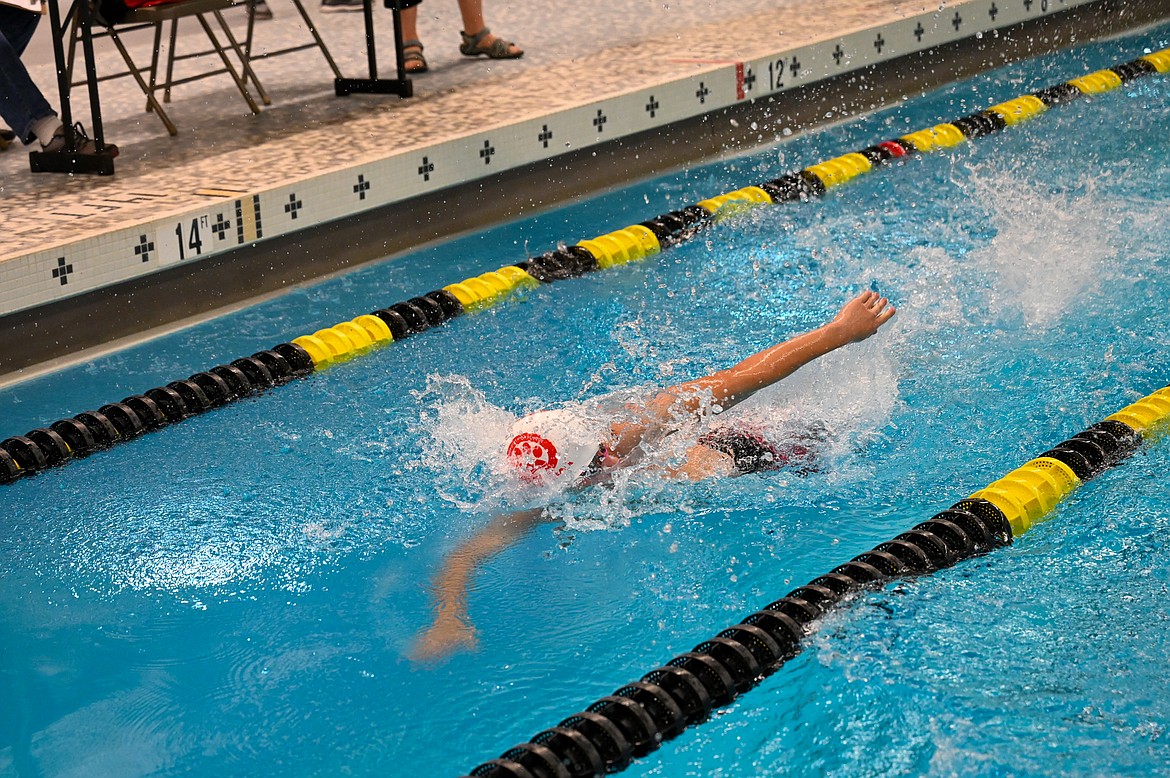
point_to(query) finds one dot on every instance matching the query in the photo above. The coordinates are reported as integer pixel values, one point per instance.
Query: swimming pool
(238, 593)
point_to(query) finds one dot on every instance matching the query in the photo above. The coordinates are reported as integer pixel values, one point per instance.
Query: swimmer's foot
(484, 44)
(448, 634)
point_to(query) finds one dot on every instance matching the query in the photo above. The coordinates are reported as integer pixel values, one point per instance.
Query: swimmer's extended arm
(452, 628)
(858, 319)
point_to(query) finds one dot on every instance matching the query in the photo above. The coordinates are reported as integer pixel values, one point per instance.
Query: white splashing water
(928, 296)
(462, 435)
(1054, 240)
(1051, 244)
(852, 391)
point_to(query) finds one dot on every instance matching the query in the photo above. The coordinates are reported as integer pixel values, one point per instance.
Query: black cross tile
(749, 80)
(426, 168)
(599, 121)
(879, 42)
(293, 205)
(221, 226)
(795, 67)
(487, 152)
(652, 107)
(993, 12)
(144, 247)
(918, 32)
(545, 135)
(957, 21)
(838, 53)
(703, 92)
(361, 187)
(62, 271)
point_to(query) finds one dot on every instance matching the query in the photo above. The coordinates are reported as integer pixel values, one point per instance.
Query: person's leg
(411, 45)
(18, 27)
(473, 23)
(472, 13)
(22, 106)
(410, 23)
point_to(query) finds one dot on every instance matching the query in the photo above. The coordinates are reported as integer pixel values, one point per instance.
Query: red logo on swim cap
(533, 456)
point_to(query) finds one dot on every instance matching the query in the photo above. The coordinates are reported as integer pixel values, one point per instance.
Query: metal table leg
(70, 159)
(400, 86)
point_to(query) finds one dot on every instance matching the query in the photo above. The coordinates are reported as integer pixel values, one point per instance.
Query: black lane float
(640, 716)
(72, 438)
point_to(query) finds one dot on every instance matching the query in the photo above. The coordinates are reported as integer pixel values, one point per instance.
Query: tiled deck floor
(573, 58)
(595, 50)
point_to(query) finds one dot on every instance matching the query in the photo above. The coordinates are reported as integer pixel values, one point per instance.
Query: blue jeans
(21, 103)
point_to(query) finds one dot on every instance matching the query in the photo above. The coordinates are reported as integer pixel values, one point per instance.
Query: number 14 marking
(193, 245)
(190, 238)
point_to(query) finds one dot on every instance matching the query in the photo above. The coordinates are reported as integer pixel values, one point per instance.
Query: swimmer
(553, 449)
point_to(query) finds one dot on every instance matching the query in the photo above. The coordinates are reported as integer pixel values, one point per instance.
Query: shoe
(84, 144)
(412, 51)
(497, 49)
(341, 6)
(261, 12)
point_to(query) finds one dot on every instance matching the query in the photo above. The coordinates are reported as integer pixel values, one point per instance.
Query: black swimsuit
(752, 453)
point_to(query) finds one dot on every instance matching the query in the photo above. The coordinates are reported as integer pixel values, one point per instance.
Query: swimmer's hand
(448, 634)
(862, 316)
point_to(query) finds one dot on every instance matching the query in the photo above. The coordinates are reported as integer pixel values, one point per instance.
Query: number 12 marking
(776, 74)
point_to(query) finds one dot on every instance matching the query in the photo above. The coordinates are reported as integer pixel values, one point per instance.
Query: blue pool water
(238, 594)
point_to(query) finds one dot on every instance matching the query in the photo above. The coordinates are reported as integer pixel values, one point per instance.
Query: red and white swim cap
(552, 447)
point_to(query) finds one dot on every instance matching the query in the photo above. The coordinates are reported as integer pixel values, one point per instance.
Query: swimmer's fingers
(881, 309)
(442, 638)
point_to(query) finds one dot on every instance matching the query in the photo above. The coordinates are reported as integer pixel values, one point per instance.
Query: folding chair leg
(245, 60)
(150, 98)
(320, 43)
(71, 57)
(154, 65)
(170, 56)
(227, 63)
(251, 5)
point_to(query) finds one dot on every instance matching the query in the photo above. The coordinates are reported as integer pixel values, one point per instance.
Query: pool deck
(240, 205)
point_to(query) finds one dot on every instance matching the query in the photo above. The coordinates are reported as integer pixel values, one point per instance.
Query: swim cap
(552, 447)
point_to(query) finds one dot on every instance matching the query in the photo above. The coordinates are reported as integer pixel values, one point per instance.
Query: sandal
(497, 49)
(412, 51)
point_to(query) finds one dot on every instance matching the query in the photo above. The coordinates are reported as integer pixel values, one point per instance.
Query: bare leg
(410, 33)
(473, 22)
(472, 13)
(410, 23)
